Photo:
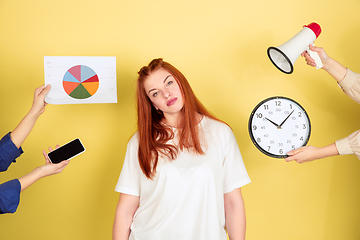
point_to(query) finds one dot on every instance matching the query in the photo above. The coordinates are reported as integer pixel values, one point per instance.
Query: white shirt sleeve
(234, 171)
(129, 180)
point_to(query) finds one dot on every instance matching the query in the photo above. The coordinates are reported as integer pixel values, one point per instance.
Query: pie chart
(80, 82)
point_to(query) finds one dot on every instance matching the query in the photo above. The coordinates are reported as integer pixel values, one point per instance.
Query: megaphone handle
(315, 56)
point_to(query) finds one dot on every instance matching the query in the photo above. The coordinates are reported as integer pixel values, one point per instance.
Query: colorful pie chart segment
(80, 82)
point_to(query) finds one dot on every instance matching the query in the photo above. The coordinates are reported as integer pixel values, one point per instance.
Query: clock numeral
(290, 106)
(259, 115)
(288, 141)
(278, 103)
(269, 148)
(254, 127)
(258, 139)
(278, 109)
(302, 138)
(271, 113)
(266, 107)
(292, 147)
(262, 127)
(294, 135)
(296, 126)
(293, 118)
(281, 151)
(266, 135)
(281, 144)
(300, 114)
(272, 141)
(304, 126)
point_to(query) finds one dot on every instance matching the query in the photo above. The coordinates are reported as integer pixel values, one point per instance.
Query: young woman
(183, 170)
(349, 81)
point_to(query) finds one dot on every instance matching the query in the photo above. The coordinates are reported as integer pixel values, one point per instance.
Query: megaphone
(285, 55)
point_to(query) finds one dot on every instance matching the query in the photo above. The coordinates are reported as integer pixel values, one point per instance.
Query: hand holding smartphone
(67, 151)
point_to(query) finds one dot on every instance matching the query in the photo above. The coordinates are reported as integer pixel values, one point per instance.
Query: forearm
(23, 129)
(21, 132)
(335, 69)
(327, 151)
(40, 172)
(125, 211)
(121, 228)
(235, 219)
(30, 178)
(236, 224)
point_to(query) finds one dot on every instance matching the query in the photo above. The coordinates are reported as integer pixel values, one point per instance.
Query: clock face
(278, 125)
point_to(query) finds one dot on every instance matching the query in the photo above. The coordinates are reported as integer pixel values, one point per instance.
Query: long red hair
(153, 135)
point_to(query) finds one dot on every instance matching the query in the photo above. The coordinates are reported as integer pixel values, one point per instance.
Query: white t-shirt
(185, 199)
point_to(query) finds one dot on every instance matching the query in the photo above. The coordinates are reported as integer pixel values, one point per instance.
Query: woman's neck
(173, 120)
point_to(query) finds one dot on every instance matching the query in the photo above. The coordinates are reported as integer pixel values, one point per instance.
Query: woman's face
(164, 92)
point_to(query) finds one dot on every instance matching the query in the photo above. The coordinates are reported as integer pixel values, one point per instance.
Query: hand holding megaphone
(285, 55)
(315, 56)
(320, 52)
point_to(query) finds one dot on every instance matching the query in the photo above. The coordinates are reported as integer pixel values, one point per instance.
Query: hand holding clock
(310, 153)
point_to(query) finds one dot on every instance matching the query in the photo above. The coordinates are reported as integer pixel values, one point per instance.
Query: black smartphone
(67, 151)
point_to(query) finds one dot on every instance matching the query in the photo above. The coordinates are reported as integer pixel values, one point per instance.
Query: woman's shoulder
(216, 125)
(218, 131)
(134, 139)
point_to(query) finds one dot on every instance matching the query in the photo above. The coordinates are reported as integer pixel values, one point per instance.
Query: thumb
(61, 166)
(45, 90)
(315, 49)
(62, 163)
(290, 158)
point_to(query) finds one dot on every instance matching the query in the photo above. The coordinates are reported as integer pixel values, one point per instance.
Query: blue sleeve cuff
(10, 196)
(8, 152)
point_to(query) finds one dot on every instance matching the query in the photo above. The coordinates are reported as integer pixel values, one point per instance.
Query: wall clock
(278, 125)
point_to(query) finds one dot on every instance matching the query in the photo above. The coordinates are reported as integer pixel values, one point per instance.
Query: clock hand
(285, 119)
(272, 122)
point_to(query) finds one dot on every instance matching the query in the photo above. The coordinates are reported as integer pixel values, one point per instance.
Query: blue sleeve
(9, 196)
(8, 152)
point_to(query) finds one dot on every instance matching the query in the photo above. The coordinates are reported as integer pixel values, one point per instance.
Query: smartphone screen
(66, 151)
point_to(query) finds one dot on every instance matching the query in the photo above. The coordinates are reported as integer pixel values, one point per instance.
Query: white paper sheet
(94, 80)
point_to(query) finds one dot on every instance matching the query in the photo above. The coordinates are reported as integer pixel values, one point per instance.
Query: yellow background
(221, 47)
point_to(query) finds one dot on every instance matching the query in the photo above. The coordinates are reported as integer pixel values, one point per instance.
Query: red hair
(153, 135)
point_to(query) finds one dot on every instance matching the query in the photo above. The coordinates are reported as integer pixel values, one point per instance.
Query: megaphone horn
(285, 55)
